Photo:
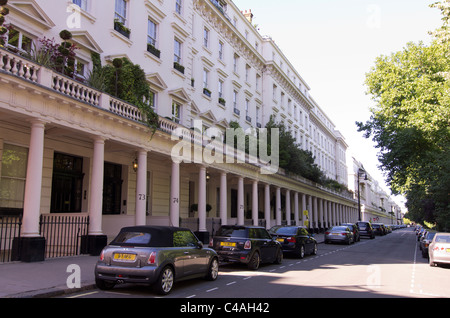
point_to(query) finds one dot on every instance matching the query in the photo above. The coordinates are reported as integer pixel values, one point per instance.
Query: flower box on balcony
(222, 101)
(121, 28)
(153, 50)
(178, 67)
(207, 92)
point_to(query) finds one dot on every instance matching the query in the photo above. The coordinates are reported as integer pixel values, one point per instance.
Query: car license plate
(335, 233)
(124, 257)
(227, 244)
(448, 250)
(281, 240)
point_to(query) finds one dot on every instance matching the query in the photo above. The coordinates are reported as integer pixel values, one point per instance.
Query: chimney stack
(248, 15)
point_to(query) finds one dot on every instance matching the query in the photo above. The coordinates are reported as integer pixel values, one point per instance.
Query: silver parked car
(439, 249)
(339, 234)
(154, 255)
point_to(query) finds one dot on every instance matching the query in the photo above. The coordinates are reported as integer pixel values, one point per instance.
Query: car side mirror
(200, 244)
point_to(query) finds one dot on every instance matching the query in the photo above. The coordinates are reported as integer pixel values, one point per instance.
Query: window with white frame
(206, 37)
(178, 6)
(258, 109)
(247, 73)
(177, 51)
(205, 79)
(176, 112)
(19, 40)
(221, 47)
(81, 3)
(236, 63)
(151, 32)
(120, 14)
(220, 88)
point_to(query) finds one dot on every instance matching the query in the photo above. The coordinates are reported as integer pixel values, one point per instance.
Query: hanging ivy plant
(128, 82)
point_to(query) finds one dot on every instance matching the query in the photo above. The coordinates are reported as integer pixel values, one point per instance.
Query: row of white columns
(326, 212)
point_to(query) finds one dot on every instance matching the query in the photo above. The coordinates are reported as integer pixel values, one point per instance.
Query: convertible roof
(161, 236)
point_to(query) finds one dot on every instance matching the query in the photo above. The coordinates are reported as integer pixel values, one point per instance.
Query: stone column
(223, 198)
(267, 206)
(240, 203)
(202, 199)
(141, 188)
(175, 195)
(288, 207)
(296, 211)
(278, 206)
(31, 244)
(255, 202)
(95, 239)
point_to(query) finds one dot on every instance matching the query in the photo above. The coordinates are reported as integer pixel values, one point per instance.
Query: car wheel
(165, 281)
(301, 252)
(314, 251)
(104, 285)
(279, 257)
(254, 261)
(213, 271)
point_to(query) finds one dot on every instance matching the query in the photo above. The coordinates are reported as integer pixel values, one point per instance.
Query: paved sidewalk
(52, 277)
(46, 279)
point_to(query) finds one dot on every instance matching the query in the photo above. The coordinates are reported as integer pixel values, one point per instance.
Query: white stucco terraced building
(67, 149)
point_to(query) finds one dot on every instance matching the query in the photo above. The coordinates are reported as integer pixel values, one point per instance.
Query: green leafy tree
(410, 126)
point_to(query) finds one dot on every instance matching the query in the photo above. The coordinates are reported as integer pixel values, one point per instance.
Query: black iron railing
(63, 234)
(9, 230)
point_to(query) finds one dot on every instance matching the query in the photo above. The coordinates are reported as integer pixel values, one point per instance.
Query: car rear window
(339, 228)
(133, 238)
(442, 238)
(240, 232)
(285, 230)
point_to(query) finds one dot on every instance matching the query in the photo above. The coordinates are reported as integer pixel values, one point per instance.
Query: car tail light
(343, 234)
(211, 242)
(248, 245)
(152, 258)
(102, 256)
(327, 233)
(291, 240)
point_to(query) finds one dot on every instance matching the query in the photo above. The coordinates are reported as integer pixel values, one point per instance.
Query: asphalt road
(387, 266)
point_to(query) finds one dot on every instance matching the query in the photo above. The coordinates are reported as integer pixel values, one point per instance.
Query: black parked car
(378, 229)
(365, 229)
(154, 255)
(295, 239)
(355, 229)
(250, 245)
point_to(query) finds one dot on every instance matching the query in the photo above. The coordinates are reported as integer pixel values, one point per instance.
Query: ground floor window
(12, 179)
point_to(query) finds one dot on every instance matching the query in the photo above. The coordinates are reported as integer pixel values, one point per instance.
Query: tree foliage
(126, 81)
(410, 125)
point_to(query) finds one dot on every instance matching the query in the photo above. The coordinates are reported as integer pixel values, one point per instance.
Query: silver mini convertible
(154, 255)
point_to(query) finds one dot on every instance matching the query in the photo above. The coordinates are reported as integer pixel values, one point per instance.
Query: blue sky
(334, 43)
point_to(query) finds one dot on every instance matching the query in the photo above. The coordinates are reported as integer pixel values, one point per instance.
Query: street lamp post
(361, 172)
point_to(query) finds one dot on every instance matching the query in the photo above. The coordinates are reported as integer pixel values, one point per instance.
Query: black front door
(67, 184)
(112, 188)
